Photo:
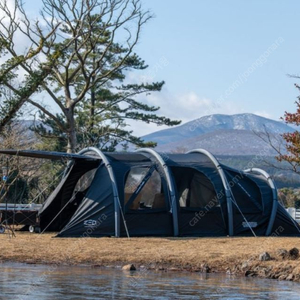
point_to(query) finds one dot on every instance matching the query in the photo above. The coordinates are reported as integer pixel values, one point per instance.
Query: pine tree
(87, 50)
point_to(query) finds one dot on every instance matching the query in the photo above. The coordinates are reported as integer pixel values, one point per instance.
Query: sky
(227, 57)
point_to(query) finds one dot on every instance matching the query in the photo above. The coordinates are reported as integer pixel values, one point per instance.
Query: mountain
(221, 134)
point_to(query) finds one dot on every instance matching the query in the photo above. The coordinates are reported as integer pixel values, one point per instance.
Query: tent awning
(49, 154)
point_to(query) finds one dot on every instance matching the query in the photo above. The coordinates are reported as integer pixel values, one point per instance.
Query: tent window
(85, 181)
(194, 189)
(81, 187)
(150, 196)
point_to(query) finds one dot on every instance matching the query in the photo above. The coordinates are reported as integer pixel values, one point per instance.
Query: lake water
(36, 282)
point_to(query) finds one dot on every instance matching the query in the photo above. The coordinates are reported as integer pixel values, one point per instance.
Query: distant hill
(283, 178)
(220, 134)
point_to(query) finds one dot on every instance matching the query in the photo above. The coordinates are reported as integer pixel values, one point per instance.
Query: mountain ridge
(221, 134)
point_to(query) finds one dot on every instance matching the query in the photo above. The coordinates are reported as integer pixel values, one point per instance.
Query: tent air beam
(274, 193)
(117, 204)
(225, 184)
(170, 184)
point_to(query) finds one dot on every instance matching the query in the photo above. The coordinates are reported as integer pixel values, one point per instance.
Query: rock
(262, 272)
(250, 274)
(265, 256)
(282, 253)
(294, 253)
(282, 277)
(129, 267)
(151, 267)
(205, 268)
(245, 266)
(274, 275)
(257, 269)
(174, 269)
(290, 277)
(296, 277)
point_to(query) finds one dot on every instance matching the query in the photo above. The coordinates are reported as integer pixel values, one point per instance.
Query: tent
(145, 193)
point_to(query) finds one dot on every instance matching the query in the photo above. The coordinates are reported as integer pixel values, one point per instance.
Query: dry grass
(183, 253)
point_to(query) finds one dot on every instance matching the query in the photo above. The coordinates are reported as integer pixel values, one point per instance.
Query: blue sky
(200, 48)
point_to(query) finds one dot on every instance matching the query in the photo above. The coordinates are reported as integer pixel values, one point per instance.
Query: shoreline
(233, 256)
(278, 272)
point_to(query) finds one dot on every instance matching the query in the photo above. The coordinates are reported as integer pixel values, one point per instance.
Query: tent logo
(249, 224)
(90, 223)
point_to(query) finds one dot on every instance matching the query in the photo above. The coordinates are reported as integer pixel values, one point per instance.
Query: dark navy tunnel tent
(145, 193)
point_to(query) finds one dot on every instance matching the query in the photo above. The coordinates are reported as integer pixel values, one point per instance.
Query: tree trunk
(92, 109)
(71, 131)
(93, 100)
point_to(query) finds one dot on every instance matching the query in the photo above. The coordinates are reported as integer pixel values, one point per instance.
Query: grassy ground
(235, 255)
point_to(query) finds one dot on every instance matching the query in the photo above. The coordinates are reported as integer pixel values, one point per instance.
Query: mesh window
(194, 189)
(85, 181)
(150, 196)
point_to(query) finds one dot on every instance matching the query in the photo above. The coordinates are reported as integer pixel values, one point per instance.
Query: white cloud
(184, 107)
(263, 114)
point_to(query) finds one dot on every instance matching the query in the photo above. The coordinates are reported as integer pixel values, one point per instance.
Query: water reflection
(18, 281)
